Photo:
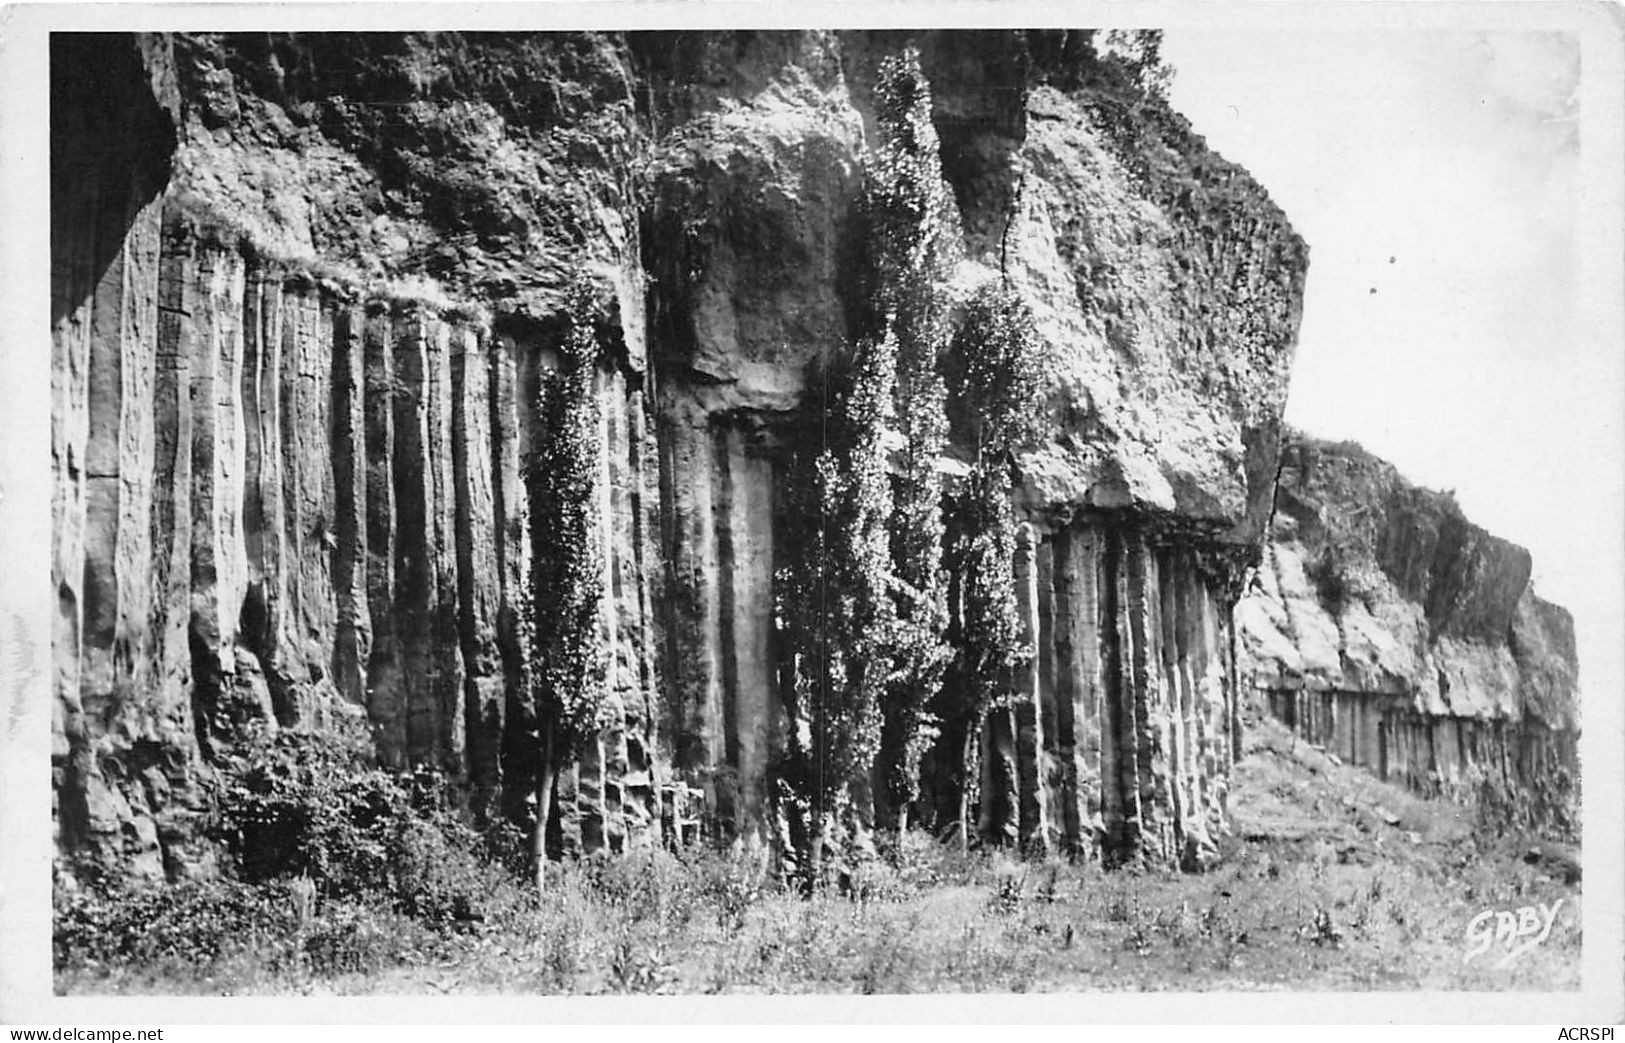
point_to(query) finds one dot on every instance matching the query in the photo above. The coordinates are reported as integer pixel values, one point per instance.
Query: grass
(1313, 893)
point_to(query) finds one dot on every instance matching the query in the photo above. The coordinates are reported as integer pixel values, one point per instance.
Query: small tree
(567, 569)
(995, 369)
(1138, 52)
(838, 617)
(907, 207)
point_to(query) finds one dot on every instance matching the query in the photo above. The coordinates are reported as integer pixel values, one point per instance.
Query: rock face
(1404, 638)
(304, 290)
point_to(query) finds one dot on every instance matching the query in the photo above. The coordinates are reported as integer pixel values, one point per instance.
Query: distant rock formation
(303, 291)
(1404, 638)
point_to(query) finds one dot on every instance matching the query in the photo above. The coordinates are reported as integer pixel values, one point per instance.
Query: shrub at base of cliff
(302, 807)
(337, 867)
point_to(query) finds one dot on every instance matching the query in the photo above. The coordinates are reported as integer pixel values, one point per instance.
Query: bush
(193, 923)
(338, 867)
(1333, 571)
(301, 806)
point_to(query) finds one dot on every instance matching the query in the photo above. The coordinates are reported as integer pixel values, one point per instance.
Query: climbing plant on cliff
(994, 372)
(907, 204)
(837, 615)
(567, 563)
(995, 368)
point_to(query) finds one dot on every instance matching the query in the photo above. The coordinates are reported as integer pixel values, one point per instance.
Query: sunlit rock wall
(303, 291)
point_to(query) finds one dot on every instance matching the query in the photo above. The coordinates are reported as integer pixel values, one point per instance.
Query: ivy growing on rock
(567, 569)
(995, 376)
(908, 206)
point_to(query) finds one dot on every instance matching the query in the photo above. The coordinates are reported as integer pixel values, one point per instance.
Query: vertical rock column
(1147, 703)
(1187, 647)
(229, 689)
(1030, 768)
(309, 621)
(693, 651)
(116, 646)
(758, 723)
(629, 793)
(446, 667)
(1142, 696)
(180, 820)
(510, 442)
(413, 604)
(122, 447)
(645, 768)
(1214, 682)
(479, 538)
(726, 719)
(1119, 764)
(425, 581)
(1074, 557)
(1172, 647)
(73, 284)
(384, 701)
(267, 597)
(352, 636)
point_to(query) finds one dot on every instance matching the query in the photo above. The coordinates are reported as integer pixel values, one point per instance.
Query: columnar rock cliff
(1406, 639)
(305, 291)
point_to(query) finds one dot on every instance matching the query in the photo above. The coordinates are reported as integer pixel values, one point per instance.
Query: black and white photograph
(1054, 506)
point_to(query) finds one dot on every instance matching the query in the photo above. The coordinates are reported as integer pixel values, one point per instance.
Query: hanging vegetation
(995, 375)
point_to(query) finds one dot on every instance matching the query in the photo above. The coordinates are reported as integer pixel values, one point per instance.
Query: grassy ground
(1330, 880)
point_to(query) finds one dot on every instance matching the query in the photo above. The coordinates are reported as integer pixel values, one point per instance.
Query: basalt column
(1034, 692)
(1434, 754)
(1121, 718)
(1070, 616)
(718, 528)
(520, 748)
(414, 597)
(479, 538)
(352, 637)
(115, 631)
